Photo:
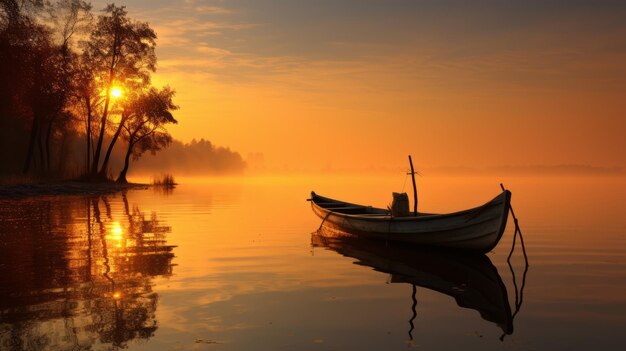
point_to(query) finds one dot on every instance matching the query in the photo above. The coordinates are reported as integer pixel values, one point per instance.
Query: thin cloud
(214, 10)
(205, 49)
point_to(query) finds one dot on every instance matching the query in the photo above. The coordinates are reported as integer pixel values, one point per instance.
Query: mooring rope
(519, 292)
(517, 230)
(414, 313)
(324, 220)
(406, 176)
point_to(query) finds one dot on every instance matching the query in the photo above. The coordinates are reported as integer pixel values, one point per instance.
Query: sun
(116, 92)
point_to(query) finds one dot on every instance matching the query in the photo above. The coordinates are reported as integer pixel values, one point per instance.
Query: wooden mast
(414, 187)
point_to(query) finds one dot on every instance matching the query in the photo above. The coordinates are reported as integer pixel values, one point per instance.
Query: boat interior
(346, 207)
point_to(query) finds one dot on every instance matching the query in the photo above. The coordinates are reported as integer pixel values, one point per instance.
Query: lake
(231, 264)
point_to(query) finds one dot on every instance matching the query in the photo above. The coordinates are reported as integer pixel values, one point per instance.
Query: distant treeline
(74, 89)
(528, 170)
(195, 158)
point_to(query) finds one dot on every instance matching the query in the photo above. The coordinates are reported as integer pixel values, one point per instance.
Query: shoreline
(66, 188)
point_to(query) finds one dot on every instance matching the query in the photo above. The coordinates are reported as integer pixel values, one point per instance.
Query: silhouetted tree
(87, 101)
(38, 66)
(53, 92)
(24, 47)
(121, 50)
(133, 89)
(69, 17)
(148, 114)
(46, 95)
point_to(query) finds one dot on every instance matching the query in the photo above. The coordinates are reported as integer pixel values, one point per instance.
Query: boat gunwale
(420, 217)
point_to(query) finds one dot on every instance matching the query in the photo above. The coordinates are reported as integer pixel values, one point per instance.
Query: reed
(165, 181)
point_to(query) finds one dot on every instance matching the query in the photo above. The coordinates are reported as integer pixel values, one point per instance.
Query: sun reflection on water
(106, 253)
(116, 234)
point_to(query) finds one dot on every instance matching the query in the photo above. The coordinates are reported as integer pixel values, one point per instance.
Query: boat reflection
(472, 280)
(76, 272)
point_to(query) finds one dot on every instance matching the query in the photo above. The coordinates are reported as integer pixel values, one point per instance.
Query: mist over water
(229, 263)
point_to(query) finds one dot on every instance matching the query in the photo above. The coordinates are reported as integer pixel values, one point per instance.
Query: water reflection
(472, 280)
(77, 272)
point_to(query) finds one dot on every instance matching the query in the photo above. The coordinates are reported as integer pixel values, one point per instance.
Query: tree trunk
(42, 160)
(103, 120)
(34, 131)
(88, 103)
(62, 155)
(107, 98)
(47, 147)
(105, 162)
(122, 177)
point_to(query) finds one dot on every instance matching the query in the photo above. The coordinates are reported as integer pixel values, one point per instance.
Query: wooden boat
(472, 280)
(478, 229)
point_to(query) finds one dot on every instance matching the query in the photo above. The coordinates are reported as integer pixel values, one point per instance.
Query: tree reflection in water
(73, 275)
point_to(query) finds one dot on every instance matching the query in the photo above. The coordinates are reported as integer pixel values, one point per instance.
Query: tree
(66, 18)
(38, 71)
(51, 88)
(132, 89)
(25, 50)
(87, 102)
(45, 93)
(147, 116)
(121, 50)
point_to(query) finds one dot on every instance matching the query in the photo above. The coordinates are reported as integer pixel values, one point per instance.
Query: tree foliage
(120, 51)
(148, 114)
(57, 69)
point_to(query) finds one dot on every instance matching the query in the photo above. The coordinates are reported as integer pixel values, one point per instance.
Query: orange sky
(350, 84)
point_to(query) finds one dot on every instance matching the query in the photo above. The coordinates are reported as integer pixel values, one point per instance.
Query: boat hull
(478, 229)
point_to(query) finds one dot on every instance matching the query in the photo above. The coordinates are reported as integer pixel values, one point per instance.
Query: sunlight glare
(116, 92)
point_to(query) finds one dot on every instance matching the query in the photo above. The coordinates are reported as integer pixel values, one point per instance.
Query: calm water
(232, 265)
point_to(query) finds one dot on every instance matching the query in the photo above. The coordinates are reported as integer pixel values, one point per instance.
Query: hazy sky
(362, 83)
